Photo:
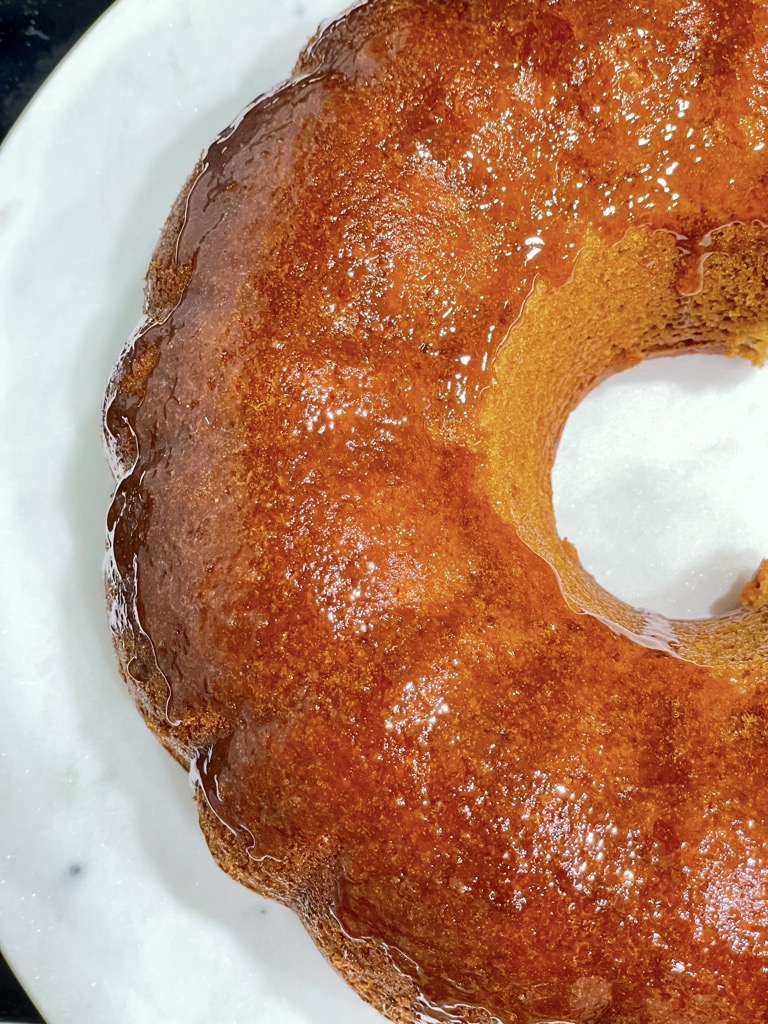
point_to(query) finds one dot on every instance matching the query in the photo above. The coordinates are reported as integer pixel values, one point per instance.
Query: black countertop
(34, 36)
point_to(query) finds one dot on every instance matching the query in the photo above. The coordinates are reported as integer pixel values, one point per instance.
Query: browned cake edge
(364, 964)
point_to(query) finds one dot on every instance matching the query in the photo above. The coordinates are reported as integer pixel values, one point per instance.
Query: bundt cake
(491, 790)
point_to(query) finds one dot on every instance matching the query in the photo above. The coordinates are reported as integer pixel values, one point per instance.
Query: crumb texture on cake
(492, 791)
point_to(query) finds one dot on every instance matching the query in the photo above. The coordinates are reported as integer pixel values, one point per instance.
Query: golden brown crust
(335, 580)
(166, 277)
(755, 593)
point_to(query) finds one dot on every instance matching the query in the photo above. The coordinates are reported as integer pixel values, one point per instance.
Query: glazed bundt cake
(492, 791)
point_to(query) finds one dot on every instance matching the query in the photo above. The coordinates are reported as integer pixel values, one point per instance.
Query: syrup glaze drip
(546, 819)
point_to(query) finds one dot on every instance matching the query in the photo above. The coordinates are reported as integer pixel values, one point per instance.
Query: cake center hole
(660, 482)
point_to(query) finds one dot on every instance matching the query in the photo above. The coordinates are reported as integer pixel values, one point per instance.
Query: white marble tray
(111, 910)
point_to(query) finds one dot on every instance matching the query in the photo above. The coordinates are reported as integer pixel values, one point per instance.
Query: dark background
(34, 36)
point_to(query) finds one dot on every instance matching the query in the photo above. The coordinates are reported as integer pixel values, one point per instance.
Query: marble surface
(660, 483)
(110, 906)
(33, 39)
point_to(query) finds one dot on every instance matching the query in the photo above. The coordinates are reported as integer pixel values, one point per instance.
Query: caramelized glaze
(491, 790)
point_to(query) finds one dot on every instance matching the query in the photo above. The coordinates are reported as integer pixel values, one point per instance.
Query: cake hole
(660, 483)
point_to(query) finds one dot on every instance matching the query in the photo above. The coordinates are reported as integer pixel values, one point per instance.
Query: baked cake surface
(490, 789)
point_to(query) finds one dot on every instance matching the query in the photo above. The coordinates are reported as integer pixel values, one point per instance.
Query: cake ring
(491, 790)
